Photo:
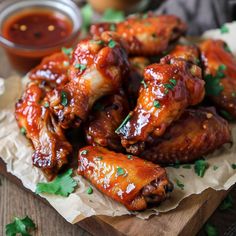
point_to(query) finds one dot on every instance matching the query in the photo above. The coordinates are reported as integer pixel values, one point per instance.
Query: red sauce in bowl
(37, 28)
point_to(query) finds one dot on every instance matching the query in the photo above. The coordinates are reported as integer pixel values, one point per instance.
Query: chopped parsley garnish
(23, 130)
(64, 100)
(200, 167)
(170, 86)
(224, 29)
(129, 156)
(144, 84)
(81, 67)
(215, 167)
(99, 42)
(227, 49)
(67, 51)
(111, 44)
(227, 203)
(179, 184)
(66, 63)
(120, 171)
(233, 166)
(213, 86)
(127, 118)
(20, 226)
(187, 166)
(84, 152)
(226, 115)
(233, 94)
(46, 104)
(211, 230)
(89, 190)
(112, 27)
(62, 185)
(156, 104)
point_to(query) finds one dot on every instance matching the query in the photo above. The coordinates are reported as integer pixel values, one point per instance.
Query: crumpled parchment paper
(16, 151)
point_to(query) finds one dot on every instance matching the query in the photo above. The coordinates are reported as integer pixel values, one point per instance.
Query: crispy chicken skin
(127, 179)
(36, 120)
(104, 118)
(53, 69)
(97, 69)
(215, 53)
(197, 132)
(170, 87)
(145, 36)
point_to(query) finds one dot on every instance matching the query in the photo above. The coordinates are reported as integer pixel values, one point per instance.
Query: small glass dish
(23, 57)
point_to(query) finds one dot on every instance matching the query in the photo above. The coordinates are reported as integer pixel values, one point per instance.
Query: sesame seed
(209, 115)
(51, 27)
(23, 27)
(204, 126)
(231, 105)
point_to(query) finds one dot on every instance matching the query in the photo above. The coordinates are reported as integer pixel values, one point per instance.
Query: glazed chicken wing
(168, 89)
(38, 124)
(196, 133)
(220, 75)
(145, 36)
(106, 115)
(127, 179)
(53, 70)
(98, 67)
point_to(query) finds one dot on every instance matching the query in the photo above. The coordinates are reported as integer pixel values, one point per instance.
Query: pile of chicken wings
(133, 97)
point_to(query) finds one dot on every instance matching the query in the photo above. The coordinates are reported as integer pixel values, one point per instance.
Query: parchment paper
(16, 151)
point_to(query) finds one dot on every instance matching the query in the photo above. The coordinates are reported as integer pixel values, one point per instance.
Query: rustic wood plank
(187, 219)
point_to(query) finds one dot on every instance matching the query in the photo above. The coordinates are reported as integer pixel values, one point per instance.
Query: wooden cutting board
(185, 220)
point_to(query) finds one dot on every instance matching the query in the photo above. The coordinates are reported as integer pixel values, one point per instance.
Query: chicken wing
(53, 70)
(169, 87)
(220, 74)
(203, 132)
(145, 36)
(127, 179)
(98, 67)
(38, 124)
(106, 115)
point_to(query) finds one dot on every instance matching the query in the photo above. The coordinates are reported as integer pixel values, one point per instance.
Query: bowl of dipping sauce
(32, 29)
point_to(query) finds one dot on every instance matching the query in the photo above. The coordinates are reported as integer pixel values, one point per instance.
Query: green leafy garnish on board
(233, 166)
(87, 14)
(46, 104)
(127, 118)
(227, 203)
(211, 230)
(64, 100)
(224, 29)
(187, 166)
(84, 152)
(23, 130)
(89, 190)
(20, 227)
(111, 15)
(144, 84)
(226, 115)
(179, 184)
(215, 167)
(200, 167)
(63, 185)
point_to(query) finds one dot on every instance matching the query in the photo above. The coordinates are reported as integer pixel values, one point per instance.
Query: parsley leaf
(227, 203)
(226, 115)
(156, 104)
(87, 15)
(212, 85)
(200, 167)
(67, 51)
(215, 167)
(224, 29)
(120, 171)
(63, 185)
(81, 67)
(20, 226)
(111, 15)
(211, 230)
(187, 166)
(233, 166)
(144, 84)
(23, 130)
(127, 118)
(64, 100)
(89, 190)
(111, 44)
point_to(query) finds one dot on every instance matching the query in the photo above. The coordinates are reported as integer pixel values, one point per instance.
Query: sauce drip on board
(37, 27)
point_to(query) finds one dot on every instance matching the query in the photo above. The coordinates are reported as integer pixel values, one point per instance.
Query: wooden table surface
(16, 202)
